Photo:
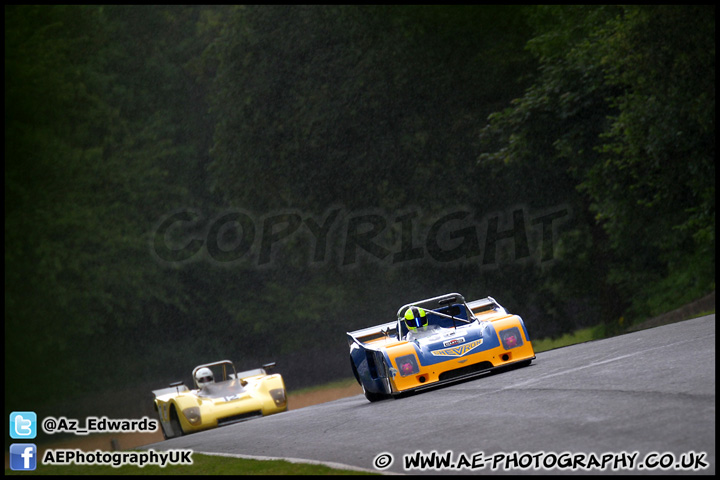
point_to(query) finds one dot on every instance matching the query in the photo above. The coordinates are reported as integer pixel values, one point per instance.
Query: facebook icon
(23, 456)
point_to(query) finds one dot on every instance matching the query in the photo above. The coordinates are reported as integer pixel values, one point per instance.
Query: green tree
(93, 123)
(357, 106)
(657, 181)
(622, 107)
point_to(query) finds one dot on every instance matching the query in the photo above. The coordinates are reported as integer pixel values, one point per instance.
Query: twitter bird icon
(23, 425)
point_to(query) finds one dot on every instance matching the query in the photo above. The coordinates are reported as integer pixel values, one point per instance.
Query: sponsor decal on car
(454, 341)
(458, 351)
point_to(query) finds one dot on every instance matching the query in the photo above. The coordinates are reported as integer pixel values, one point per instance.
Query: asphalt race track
(644, 399)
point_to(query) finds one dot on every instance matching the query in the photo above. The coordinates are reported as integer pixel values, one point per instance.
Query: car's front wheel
(175, 423)
(375, 397)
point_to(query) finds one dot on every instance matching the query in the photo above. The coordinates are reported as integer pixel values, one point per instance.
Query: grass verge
(578, 336)
(591, 333)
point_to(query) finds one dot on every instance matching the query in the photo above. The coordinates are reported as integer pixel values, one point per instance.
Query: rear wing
(174, 388)
(369, 334)
(484, 305)
(256, 372)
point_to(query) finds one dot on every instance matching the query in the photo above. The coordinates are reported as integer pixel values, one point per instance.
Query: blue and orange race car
(436, 341)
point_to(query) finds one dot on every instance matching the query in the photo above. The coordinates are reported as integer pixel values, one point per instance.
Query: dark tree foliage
(94, 116)
(624, 104)
(356, 106)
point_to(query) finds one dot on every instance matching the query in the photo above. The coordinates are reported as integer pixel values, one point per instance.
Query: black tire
(376, 397)
(373, 397)
(162, 429)
(175, 422)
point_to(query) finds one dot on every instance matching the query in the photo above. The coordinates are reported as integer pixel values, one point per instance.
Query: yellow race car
(221, 397)
(435, 341)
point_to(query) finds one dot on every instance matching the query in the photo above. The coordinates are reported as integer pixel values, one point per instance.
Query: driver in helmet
(416, 321)
(204, 377)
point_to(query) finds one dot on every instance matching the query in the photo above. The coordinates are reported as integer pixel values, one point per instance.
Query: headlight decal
(278, 396)
(511, 338)
(192, 415)
(407, 365)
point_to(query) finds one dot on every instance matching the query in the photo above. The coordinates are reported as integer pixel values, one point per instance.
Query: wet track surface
(645, 393)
